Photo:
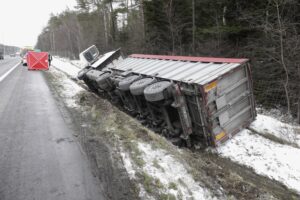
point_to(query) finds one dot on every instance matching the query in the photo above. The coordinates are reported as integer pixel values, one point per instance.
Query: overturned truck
(194, 101)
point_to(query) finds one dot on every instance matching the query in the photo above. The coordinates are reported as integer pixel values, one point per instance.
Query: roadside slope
(219, 176)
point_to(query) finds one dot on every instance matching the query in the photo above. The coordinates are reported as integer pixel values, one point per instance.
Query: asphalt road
(7, 64)
(39, 158)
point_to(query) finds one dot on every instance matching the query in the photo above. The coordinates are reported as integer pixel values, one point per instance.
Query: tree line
(266, 32)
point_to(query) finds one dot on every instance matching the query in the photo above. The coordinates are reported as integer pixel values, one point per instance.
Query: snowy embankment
(70, 88)
(268, 126)
(266, 157)
(69, 67)
(169, 174)
(253, 147)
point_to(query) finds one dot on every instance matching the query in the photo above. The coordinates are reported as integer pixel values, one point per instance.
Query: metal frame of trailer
(199, 100)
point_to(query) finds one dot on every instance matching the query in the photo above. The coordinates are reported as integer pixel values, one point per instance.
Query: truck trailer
(193, 101)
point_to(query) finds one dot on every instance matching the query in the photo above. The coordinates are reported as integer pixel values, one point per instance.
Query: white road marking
(8, 72)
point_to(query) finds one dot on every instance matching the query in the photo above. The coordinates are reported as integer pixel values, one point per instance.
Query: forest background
(266, 32)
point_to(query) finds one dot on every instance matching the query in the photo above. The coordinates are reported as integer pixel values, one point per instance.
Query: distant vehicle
(1, 55)
(24, 60)
(23, 54)
(25, 50)
(12, 55)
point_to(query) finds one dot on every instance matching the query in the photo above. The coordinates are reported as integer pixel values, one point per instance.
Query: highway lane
(8, 63)
(39, 158)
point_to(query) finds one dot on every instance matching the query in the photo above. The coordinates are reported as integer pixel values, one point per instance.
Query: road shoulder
(104, 159)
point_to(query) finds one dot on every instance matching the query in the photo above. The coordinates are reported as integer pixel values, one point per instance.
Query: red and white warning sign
(37, 60)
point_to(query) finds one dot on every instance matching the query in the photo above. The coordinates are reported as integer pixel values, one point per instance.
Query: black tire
(90, 85)
(93, 74)
(82, 73)
(158, 91)
(138, 87)
(126, 82)
(103, 82)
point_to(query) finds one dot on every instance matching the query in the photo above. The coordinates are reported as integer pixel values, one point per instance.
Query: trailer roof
(199, 70)
(189, 58)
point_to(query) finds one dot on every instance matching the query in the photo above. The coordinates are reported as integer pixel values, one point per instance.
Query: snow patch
(78, 64)
(66, 66)
(268, 125)
(69, 88)
(171, 171)
(127, 164)
(268, 158)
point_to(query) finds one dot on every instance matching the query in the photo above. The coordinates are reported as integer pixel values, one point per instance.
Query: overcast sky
(21, 21)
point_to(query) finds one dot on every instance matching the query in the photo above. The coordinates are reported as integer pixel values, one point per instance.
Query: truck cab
(93, 60)
(89, 55)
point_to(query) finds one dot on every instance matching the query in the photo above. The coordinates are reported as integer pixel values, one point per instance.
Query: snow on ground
(77, 63)
(265, 157)
(70, 88)
(268, 125)
(66, 66)
(162, 166)
(170, 171)
(128, 164)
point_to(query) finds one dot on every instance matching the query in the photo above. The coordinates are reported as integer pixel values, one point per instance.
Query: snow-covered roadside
(69, 90)
(170, 174)
(265, 157)
(161, 165)
(66, 66)
(160, 170)
(266, 125)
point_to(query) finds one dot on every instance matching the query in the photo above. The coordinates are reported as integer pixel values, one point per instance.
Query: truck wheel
(126, 82)
(82, 73)
(158, 91)
(93, 74)
(90, 85)
(137, 88)
(103, 82)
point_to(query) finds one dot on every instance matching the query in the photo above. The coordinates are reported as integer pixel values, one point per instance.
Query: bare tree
(194, 25)
(281, 29)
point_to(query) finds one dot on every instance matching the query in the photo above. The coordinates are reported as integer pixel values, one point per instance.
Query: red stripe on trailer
(37, 60)
(189, 58)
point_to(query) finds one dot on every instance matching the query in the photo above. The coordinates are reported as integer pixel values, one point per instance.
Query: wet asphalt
(39, 157)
